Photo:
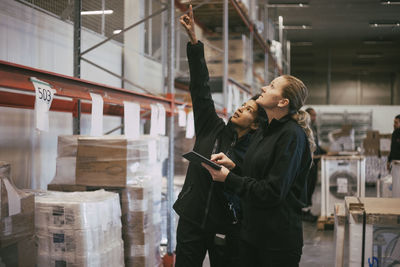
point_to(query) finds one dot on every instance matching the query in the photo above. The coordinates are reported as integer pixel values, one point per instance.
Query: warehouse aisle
(318, 245)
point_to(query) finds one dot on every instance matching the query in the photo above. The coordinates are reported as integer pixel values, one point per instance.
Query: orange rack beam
(17, 77)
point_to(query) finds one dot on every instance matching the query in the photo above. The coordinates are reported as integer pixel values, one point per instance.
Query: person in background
(395, 145)
(209, 215)
(313, 175)
(273, 180)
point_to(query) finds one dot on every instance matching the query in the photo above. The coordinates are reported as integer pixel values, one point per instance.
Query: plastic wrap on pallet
(77, 210)
(141, 220)
(386, 186)
(134, 169)
(375, 167)
(372, 168)
(67, 145)
(117, 161)
(78, 229)
(341, 176)
(16, 210)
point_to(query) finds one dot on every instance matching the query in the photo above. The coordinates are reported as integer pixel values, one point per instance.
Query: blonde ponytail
(303, 119)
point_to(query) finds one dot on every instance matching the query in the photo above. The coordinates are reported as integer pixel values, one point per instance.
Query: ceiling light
(376, 42)
(97, 12)
(116, 31)
(297, 27)
(391, 2)
(384, 25)
(306, 43)
(369, 56)
(288, 5)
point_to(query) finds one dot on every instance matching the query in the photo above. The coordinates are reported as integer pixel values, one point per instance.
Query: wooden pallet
(325, 223)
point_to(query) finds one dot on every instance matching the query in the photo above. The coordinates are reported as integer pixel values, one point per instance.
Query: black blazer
(273, 186)
(201, 200)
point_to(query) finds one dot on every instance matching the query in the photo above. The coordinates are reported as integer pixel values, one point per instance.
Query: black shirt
(395, 146)
(202, 201)
(273, 187)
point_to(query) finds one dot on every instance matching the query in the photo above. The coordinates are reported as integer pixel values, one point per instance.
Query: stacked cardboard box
(78, 229)
(134, 169)
(371, 143)
(141, 224)
(238, 65)
(66, 159)
(17, 210)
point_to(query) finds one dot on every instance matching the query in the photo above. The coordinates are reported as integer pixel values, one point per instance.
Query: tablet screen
(193, 156)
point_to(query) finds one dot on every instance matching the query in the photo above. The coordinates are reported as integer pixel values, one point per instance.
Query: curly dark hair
(261, 114)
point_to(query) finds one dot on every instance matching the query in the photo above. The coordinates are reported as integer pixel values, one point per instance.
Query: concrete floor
(318, 250)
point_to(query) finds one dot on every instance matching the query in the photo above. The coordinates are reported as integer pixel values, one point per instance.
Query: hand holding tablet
(193, 156)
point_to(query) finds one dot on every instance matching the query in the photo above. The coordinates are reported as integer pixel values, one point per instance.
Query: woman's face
(272, 93)
(245, 115)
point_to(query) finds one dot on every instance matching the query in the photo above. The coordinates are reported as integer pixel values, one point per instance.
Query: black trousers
(252, 256)
(312, 181)
(193, 243)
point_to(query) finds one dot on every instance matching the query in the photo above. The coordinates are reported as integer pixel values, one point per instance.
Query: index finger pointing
(191, 11)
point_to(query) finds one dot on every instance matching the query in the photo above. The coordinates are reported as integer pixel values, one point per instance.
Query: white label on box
(14, 200)
(97, 115)
(132, 119)
(43, 100)
(342, 185)
(190, 126)
(385, 144)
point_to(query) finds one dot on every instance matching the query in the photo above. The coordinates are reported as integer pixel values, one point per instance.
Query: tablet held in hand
(193, 156)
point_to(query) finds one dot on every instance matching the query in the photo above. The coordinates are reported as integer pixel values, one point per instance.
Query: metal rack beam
(15, 76)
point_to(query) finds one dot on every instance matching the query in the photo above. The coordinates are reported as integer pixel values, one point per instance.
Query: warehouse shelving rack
(73, 94)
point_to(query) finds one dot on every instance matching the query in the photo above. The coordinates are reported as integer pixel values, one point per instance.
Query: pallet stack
(78, 229)
(133, 169)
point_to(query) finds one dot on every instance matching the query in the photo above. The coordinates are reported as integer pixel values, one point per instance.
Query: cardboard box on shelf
(101, 161)
(373, 135)
(238, 47)
(236, 71)
(17, 210)
(371, 146)
(67, 145)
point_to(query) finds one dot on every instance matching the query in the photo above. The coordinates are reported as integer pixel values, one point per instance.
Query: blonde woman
(273, 181)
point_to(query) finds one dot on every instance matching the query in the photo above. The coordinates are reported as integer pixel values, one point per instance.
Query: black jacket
(201, 200)
(395, 146)
(273, 187)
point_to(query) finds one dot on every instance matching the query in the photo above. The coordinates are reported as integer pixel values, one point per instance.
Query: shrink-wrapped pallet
(79, 229)
(133, 168)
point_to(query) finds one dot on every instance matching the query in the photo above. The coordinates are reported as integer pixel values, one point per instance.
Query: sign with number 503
(43, 100)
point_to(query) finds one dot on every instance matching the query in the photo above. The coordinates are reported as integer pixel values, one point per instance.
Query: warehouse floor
(318, 250)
